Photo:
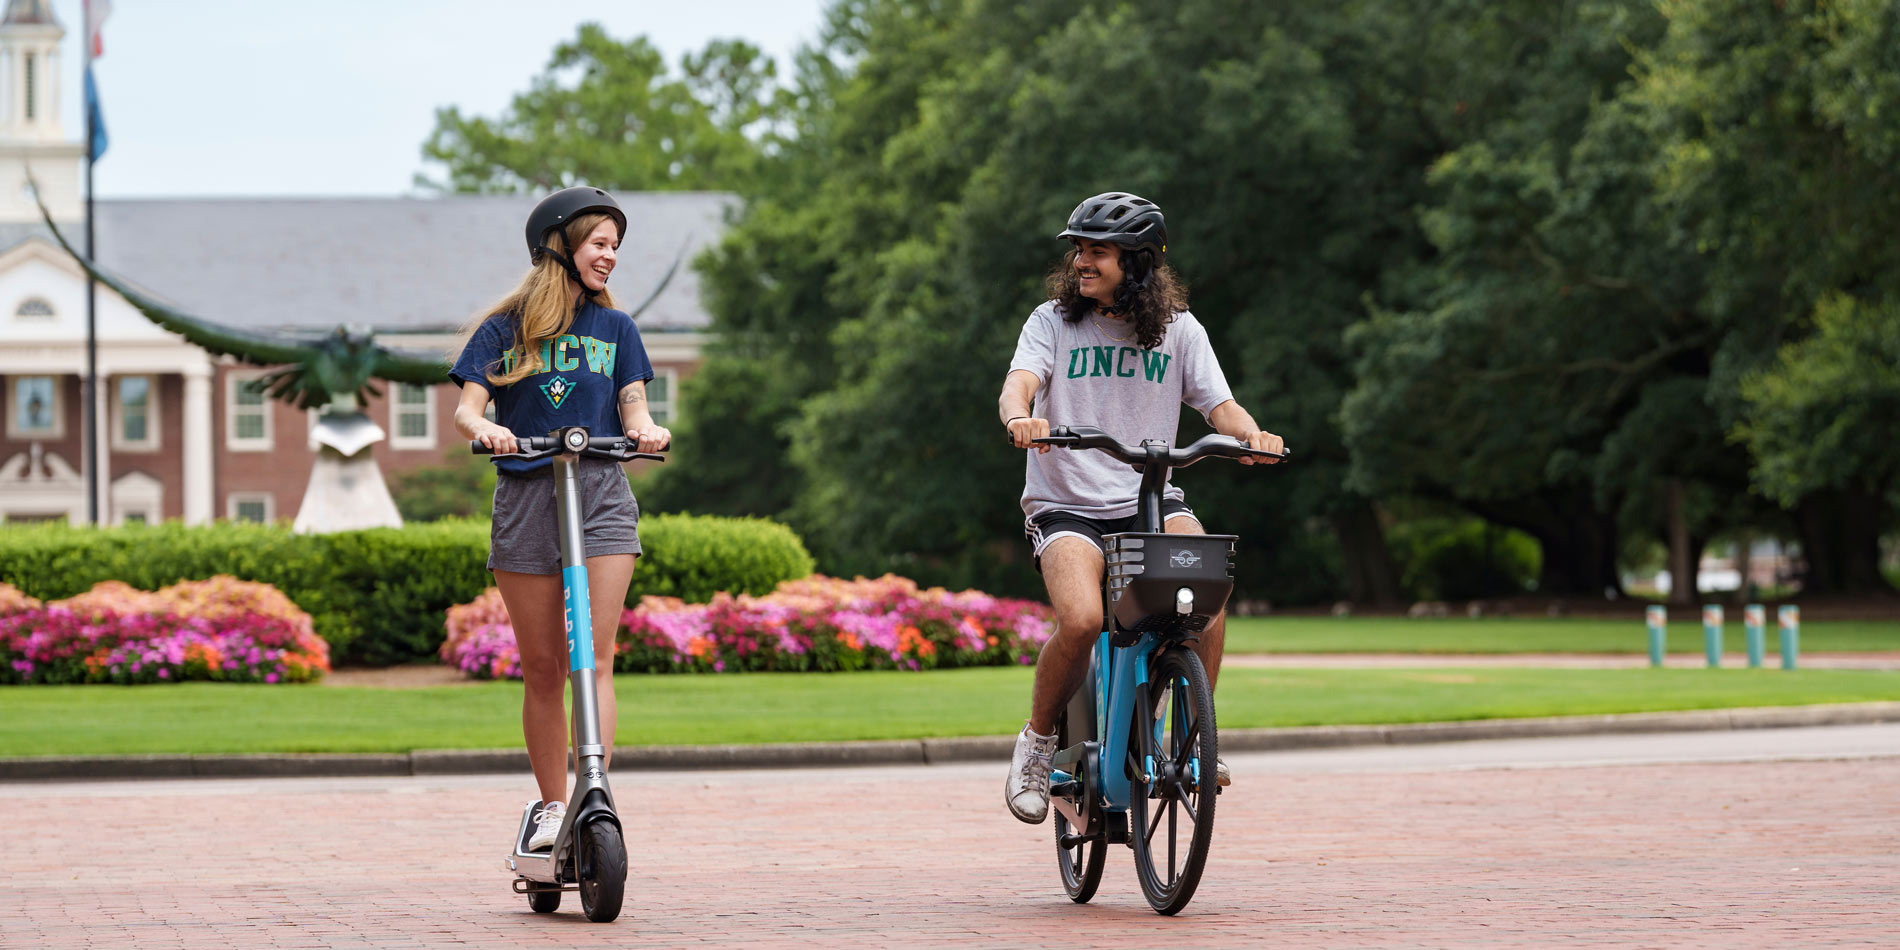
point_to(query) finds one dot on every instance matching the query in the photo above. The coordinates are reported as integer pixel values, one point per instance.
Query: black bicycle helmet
(1117, 217)
(556, 210)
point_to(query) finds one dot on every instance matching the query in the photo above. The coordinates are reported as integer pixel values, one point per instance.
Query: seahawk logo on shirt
(556, 390)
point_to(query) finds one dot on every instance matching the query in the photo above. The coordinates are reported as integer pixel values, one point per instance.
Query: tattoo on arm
(634, 394)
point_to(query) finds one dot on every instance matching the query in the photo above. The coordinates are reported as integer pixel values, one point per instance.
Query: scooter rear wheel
(544, 902)
(602, 858)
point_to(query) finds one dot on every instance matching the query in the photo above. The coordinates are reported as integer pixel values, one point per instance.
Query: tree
(621, 122)
(1775, 128)
(1813, 421)
(1493, 372)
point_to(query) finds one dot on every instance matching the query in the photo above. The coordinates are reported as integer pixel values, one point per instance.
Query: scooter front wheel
(602, 869)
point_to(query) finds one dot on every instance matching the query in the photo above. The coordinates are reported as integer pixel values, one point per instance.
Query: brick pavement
(1758, 854)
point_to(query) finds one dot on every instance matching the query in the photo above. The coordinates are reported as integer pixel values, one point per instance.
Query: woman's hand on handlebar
(1263, 441)
(1025, 430)
(499, 440)
(652, 437)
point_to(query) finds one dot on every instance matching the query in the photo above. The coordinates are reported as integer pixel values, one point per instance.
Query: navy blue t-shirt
(583, 371)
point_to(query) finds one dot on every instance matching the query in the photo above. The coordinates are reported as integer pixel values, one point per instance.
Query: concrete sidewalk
(915, 751)
(1886, 660)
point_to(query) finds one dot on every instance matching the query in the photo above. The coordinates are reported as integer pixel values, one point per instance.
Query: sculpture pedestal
(346, 490)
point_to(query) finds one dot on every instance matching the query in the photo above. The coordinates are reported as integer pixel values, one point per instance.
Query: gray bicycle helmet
(1117, 217)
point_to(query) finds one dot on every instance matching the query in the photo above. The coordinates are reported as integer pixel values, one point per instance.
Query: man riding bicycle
(1114, 347)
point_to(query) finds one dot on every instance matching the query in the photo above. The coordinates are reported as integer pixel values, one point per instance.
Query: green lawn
(658, 710)
(1528, 635)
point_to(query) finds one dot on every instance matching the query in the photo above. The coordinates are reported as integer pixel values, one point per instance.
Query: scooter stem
(579, 619)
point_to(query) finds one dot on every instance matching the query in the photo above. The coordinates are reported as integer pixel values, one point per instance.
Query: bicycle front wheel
(1173, 808)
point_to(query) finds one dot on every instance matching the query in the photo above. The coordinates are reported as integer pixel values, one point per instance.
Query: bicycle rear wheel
(1079, 862)
(1174, 813)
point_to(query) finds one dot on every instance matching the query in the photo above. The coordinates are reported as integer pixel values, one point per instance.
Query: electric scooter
(590, 852)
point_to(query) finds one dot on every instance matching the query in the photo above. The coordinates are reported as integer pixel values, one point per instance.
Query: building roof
(395, 264)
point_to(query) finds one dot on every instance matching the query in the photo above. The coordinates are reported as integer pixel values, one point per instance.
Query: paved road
(1768, 838)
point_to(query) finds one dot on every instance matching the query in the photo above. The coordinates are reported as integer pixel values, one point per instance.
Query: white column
(103, 423)
(196, 451)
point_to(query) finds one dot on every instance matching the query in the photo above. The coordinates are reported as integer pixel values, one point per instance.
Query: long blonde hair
(541, 305)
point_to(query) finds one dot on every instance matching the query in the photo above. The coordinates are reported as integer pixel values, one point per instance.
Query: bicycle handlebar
(614, 447)
(1090, 437)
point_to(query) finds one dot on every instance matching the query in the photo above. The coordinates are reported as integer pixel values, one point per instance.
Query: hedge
(380, 596)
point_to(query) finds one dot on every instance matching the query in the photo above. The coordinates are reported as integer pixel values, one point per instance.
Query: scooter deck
(537, 866)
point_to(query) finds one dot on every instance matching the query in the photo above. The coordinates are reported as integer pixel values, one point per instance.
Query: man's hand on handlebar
(1024, 430)
(1261, 440)
(652, 438)
(497, 438)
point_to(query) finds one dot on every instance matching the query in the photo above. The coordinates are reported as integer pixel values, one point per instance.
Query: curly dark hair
(1151, 300)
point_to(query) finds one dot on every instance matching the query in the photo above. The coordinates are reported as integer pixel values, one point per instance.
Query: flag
(96, 118)
(96, 13)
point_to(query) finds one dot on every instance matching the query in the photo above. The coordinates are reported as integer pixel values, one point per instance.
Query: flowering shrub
(13, 601)
(817, 623)
(217, 629)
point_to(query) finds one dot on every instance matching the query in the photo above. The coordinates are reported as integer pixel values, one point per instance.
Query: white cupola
(32, 136)
(30, 73)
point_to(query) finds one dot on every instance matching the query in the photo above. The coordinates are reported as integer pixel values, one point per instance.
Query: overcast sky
(293, 97)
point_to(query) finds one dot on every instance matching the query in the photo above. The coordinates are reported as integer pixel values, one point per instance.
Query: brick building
(182, 434)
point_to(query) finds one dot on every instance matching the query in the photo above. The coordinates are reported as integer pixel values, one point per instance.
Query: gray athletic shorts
(525, 535)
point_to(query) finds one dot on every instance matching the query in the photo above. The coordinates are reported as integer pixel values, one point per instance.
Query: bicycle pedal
(1066, 790)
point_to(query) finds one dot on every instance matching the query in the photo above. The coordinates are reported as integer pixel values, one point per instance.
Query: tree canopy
(1611, 273)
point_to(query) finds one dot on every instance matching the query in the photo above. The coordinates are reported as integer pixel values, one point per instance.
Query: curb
(916, 751)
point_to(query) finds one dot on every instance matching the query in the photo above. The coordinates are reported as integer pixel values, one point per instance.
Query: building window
(34, 307)
(137, 410)
(247, 414)
(133, 517)
(249, 506)
(32, 94)
(36, 410)
(411, 416)
(661, 402)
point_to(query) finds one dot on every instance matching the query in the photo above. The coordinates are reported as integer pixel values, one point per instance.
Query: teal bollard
(1754, 617)
(1789, 618)
(1712, 634)
(1658, 620)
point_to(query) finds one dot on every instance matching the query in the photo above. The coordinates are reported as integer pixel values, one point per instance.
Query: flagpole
(92, 323)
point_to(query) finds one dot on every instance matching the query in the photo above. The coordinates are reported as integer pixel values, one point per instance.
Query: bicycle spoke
(1172, 838)
(1192, 815)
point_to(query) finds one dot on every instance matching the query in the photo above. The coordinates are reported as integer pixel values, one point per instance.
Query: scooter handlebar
(613, 447)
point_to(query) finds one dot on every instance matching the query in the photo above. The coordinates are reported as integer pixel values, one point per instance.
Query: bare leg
(1072, 570)
(535, 610)
(1213, 640)
(607, 579)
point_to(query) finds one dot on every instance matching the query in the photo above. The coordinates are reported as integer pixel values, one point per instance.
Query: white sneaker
(547, 826)
(1222, 777)
(1026, 791)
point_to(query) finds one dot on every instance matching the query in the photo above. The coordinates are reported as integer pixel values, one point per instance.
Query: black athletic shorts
(1050, 525)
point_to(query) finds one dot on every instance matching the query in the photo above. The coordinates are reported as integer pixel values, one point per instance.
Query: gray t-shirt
(1091, 378)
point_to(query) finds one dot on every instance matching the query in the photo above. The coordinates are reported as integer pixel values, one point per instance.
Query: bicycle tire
(1181, 714)
(1081, 866)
